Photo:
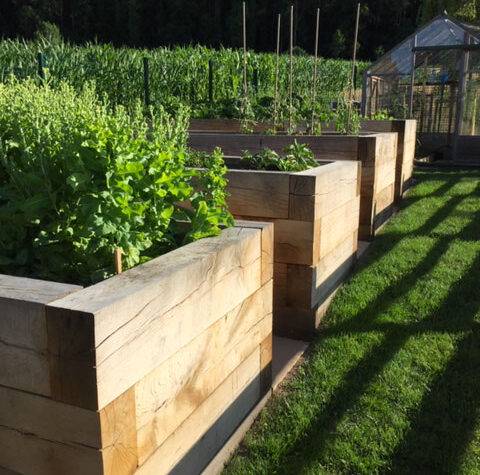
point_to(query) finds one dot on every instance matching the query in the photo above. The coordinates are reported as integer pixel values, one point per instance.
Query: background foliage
(153, 23)
(179, 76)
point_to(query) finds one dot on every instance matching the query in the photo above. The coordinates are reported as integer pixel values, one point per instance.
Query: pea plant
(295, 157)
(80, 178)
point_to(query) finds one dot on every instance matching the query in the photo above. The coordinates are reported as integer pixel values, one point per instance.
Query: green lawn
(392, 384)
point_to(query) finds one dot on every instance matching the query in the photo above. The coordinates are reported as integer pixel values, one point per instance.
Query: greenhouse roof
(441, 31)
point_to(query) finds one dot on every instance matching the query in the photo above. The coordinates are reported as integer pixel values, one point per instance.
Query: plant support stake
(275, 103)
(354, 58)
(41, 65)
(290, 92)
(354, 63)
(210, 81)
(118, 260)
(245, 88)
(146, 82)
(314, 87)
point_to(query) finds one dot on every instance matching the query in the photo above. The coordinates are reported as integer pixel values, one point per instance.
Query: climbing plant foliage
(80, 178)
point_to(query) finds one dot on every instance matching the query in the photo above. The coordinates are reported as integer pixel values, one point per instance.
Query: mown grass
(392, 384)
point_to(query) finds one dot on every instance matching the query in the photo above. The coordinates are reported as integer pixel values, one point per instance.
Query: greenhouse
(432, 76)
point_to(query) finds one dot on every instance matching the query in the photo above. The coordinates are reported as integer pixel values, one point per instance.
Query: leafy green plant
(347, 120)
(295, 157)
(80, 178)
(381, 114)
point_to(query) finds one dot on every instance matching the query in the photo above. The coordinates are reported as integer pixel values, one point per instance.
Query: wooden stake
(354, 58)
(146, 82)
(118, 260)
(210, 81)
(275, 103)
(474, 114)
(354, 65)
(290, 122)
(245, 86)
(412, 78)
(314, 88)
(41, 65)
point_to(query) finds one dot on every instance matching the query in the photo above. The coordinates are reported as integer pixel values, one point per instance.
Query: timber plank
(267, 246)
(262, 193)
(191, 446)
(163, 307)
(23, 334)
(169, 394)
(29, 455)
(47, 419)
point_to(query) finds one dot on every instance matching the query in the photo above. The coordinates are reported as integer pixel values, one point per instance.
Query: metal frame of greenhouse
(433, 76)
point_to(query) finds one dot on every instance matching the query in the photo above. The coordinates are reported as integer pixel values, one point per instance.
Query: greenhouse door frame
(466, 48)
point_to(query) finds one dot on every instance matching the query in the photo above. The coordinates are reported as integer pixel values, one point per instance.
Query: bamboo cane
(354, 63)
(245, 86)
(314, 88)
(290, 122)
(275, 104)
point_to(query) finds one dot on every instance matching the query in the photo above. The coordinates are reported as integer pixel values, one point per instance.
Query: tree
(463, 9)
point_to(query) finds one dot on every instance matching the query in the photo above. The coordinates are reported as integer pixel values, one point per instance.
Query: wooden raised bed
(147, 372)
(376, 152)
(316, 217)
(224, 125)
(407, 139)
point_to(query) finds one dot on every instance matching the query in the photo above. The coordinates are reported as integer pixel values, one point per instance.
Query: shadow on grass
(385, 242)
(443, 426)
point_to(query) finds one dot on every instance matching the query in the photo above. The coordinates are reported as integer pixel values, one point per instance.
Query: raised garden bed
(316, 217)
(224, 125)
(376, 152)
(406, 130)
(407, 139)
(146, 372)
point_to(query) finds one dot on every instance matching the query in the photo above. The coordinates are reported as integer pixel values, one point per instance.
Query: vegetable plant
(80, 177)
(295, 157)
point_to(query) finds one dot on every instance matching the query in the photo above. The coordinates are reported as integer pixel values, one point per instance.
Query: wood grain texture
(266, 361)
(323, 212)
(202, 434)
(186, 359)
(326, 147)
(119, 435)
(268, 239)
(341, 222)
(30, 455)
(260, 193)
(407, 130)
(162, 304)
(23, 334)
(168, 395)
(295, 241)
(47, 419)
